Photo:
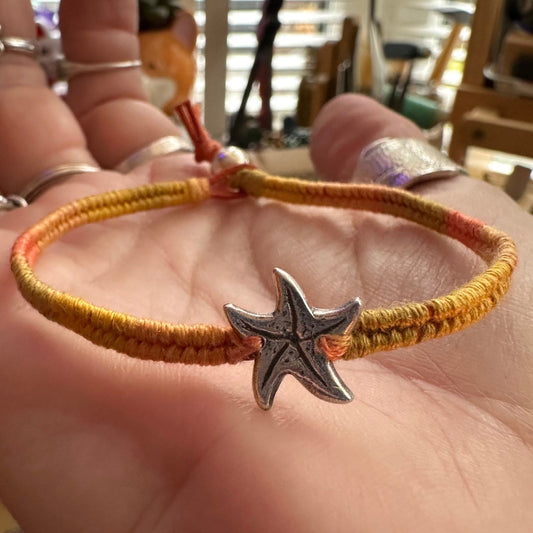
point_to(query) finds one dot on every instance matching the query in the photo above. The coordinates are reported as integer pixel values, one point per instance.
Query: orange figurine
(167, 35)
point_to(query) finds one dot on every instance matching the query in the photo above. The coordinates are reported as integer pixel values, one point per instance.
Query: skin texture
(439, 436)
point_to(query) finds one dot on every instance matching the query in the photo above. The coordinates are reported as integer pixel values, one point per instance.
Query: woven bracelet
(296, 339)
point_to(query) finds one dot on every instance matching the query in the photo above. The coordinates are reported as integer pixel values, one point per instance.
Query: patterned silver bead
(403, 163)
(228, 157)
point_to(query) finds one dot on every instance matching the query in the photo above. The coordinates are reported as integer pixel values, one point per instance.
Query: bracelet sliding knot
(221, 186)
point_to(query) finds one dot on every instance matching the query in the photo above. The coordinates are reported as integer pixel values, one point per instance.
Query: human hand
(439, 435)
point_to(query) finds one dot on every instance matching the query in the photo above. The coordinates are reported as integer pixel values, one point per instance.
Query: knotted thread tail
(205, 148)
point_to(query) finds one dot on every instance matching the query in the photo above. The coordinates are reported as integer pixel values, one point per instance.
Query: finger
(350, 122)
(111, 106)
(399, 262)
(38, 131)
(345, 126)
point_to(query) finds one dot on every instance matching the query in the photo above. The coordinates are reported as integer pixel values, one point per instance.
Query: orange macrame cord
(376, 329)
(205, 148)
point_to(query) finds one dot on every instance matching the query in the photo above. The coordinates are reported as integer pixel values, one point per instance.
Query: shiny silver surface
(290, 342)
(17, 45)
(403, 163)
(162, 147)
(12, 201)
(52, 176)
(227, 157)
(70, 69)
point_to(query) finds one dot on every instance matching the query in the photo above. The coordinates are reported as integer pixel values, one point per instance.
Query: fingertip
(345, 126)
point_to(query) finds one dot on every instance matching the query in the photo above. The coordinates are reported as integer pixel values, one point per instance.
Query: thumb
(345, 126)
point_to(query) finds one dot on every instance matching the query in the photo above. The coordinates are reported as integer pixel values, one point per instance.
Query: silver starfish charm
(290, 342)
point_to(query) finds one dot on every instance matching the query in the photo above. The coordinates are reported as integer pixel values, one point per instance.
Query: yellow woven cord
(379, 329)
(141, 338)
(390, 328)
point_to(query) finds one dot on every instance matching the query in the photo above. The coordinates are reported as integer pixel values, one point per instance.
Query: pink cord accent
(205, 148)
(220, 187)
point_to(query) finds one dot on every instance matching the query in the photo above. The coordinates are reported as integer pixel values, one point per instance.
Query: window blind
(304, 24)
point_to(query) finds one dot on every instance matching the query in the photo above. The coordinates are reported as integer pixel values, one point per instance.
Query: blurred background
(262, 70)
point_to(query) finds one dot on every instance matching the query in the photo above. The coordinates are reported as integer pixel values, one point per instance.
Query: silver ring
(18, 45)
(67, 70)
(12, 201)
(43, 182)
(403, 163)
(160, 148)
(53, 176)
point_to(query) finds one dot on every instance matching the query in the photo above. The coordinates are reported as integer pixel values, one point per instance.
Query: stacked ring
(42, 183)
(17, 45)
(168, 145)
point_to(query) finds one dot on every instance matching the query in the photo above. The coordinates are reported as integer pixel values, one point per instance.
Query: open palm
(438, 437)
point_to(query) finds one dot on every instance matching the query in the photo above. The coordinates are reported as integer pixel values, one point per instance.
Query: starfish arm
(269, 372)
(290, 295)
(334, 391)
(248, 324)
(338, 321)
(318, 375)
(305, 363)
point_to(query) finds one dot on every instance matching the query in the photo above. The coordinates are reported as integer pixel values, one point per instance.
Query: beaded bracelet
(296, 339)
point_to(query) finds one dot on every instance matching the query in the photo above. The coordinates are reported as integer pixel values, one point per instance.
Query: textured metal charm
(290, 343)
(403, 163)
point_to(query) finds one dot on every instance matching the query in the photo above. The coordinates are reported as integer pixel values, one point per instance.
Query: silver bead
(228, 157)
